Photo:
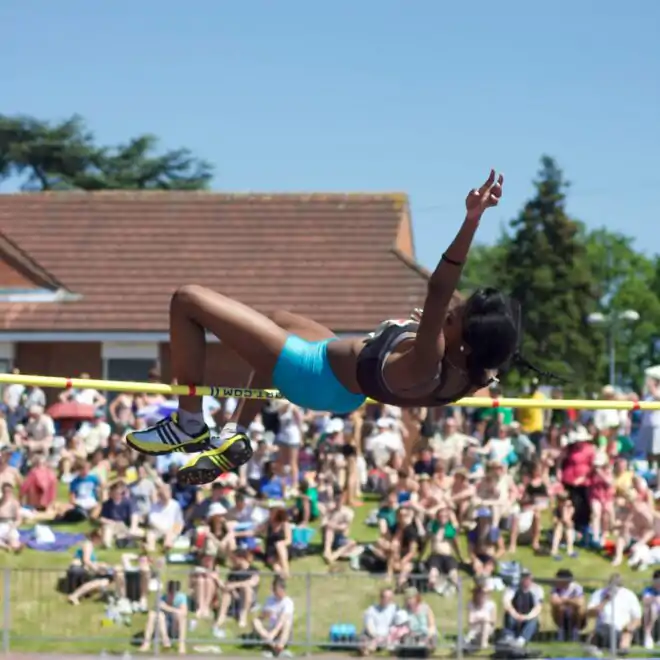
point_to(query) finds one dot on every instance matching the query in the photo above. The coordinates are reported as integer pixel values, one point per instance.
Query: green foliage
(560, 272)
(65, 156)
(546, 270)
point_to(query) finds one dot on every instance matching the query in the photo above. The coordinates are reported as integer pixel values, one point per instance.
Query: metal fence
(36, 616)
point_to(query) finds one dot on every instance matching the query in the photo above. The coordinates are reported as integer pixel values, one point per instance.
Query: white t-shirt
(380, 619)
(382, 444)
(486, 612)
(290, 433)
(607, 419)
(164, 517)
(275, 608)
(88, 396)
(500, 449)
(13, 394)
(620, 611)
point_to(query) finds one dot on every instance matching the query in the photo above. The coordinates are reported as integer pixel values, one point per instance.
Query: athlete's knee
(187, 295)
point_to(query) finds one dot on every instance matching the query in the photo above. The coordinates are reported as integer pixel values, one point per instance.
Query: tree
(65, 156)
(546, 270)
(484, 265)
(625, 280)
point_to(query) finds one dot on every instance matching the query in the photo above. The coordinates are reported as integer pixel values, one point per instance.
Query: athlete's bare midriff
(400, 368)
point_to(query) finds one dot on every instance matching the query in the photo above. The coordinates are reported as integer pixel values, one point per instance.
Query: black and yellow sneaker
(167, 436)
(234, 449)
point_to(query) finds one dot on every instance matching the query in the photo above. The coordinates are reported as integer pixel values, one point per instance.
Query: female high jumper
(454, 349)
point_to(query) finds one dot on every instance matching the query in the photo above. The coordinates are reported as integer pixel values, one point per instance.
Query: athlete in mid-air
(454, 349)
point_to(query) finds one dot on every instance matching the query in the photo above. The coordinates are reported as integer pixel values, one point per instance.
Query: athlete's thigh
(303, 327)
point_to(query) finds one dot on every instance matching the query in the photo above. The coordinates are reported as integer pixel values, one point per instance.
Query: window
(130, 361)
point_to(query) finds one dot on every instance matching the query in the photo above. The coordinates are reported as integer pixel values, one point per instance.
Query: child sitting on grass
(564, 526)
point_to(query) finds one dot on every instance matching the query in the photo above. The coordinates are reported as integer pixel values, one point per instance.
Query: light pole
(611, 323)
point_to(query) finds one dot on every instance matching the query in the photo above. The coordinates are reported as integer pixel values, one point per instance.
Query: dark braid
(523, 363)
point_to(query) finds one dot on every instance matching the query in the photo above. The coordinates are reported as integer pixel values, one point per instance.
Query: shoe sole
(187, 448)
(197, 476)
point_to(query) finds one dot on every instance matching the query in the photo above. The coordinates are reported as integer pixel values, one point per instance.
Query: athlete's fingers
(489, 182)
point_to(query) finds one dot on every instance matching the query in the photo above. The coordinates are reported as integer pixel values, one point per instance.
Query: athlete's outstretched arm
(444, 279)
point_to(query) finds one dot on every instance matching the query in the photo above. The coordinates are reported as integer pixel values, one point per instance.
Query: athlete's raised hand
(480, 199)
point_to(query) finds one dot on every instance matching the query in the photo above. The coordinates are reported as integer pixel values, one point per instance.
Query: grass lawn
(42, 620)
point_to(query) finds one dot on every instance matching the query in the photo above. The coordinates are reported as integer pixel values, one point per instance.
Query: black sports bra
(372, 360)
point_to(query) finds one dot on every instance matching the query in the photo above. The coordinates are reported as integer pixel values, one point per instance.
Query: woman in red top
(576, 463)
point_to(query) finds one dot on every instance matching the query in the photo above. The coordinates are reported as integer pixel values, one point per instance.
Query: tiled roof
(332, 257)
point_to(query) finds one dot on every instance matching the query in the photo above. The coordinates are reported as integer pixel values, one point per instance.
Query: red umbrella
(70, 410)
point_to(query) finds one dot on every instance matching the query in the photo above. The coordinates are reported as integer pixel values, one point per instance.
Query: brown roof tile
(332, 257)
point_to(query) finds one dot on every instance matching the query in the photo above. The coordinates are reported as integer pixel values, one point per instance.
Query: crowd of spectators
(455, 492)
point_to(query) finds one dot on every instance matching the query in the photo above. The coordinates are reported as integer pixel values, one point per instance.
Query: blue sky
(365, 95)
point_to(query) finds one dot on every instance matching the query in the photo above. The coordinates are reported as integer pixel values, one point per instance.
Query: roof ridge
(16, 254)
(411, 263)
(398, 197)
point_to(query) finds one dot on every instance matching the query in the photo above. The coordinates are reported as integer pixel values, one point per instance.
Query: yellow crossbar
(219, 391)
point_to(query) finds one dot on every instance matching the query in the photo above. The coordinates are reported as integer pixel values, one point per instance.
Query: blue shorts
(304, 376)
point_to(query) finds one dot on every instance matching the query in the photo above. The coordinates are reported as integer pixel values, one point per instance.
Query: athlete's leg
(210, 464)
(252, 335)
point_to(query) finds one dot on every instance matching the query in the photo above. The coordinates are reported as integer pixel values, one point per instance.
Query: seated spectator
(335, 526)
(39, 489)
(118, 517)
(563, 519)
(567, 606)
(481, 618)
(522, 608)
(171, 617)
(8, 473)
(378, 620)
(165, 520)
(525, 525)
(72, 455)
(426, 463)
(523, 447)
(601, 498)
(86, 574)
(252, 473)
(10, 519)
(422, 631)
(238, 592)
(426, 500)
(306, 504)
(272, 486)
(618, 613)
(277, 541)
(651, 609)
(95, 434)
(143, 491)
(274, 623)
(404, 548)
(40, 430)
(124, 470)
(635, 524)
(442, 562)
(84, 496)
(483, 543)
(461, 495)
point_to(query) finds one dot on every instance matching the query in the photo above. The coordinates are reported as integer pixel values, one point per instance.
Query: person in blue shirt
(171, 616)
(84, 493)
(271, 486)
